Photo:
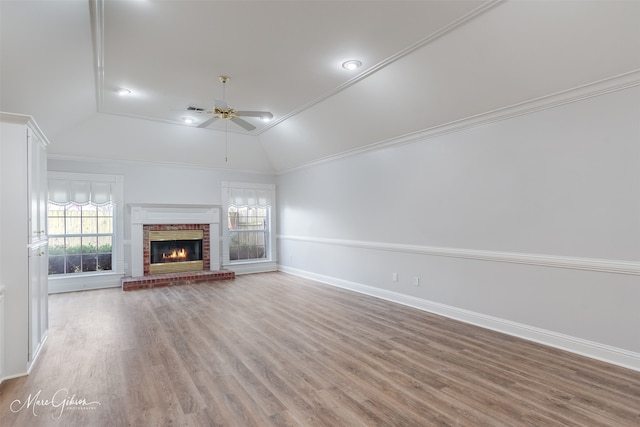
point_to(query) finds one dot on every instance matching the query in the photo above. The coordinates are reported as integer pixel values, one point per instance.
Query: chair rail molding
(589, 264)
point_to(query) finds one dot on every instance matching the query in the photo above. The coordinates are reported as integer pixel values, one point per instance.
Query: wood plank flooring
(277, 350)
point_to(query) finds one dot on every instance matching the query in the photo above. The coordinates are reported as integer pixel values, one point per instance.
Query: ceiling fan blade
(207, 122)
(246, 125)
(262, 114)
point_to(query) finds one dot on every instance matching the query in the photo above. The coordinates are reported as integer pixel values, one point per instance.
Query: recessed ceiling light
(123, 92)
(187, 120)
(351, 65)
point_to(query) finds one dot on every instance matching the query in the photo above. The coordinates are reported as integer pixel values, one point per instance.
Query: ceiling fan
(222, 111)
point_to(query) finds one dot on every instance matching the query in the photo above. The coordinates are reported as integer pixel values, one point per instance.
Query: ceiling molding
(97, 24)
(590, 90)
(382, 64)
(134, 163)
(96, 9)
(429, 68)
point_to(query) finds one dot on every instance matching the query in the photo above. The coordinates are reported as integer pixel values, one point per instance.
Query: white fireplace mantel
(150, 214)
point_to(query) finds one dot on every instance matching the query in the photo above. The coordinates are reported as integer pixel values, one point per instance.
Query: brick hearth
(173, 279)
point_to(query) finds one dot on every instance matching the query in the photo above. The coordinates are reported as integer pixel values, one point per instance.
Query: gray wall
(529, 225)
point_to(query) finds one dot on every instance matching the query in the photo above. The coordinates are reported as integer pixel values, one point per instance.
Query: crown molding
(576, 94)
(96, 11)
(393, 58)
(103, 160)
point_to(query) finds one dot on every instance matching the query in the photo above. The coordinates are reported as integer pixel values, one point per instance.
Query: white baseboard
(29, 365)
(37, 353)
(84, 282)
(12, 376)
(252, 267)
(594, 350)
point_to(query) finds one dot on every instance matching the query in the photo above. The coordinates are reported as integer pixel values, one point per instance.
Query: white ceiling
(425, 64)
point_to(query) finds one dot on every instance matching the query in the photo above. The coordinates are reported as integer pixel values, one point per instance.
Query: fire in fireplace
(179, 255)
(162, 251)
(172, 251)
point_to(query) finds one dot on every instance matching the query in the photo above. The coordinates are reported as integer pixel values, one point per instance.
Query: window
(248, 232)
(82, 217)
(248, 236)
(80, 237)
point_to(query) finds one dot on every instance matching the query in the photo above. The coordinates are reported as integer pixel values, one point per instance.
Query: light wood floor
(276, 350)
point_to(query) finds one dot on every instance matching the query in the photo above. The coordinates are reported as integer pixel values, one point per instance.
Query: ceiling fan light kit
(222, 111)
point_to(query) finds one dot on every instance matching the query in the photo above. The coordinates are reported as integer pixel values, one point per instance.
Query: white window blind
(80, 192)
(248, 197)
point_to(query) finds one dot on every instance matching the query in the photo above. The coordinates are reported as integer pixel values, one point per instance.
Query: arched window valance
(80, 192)
(249, 197)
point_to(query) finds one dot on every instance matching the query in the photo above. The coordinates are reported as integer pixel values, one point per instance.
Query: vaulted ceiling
(424, 64)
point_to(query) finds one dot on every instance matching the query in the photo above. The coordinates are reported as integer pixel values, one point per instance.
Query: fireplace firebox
(173, 251)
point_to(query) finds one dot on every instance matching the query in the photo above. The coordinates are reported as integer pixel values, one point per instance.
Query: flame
(176, 254)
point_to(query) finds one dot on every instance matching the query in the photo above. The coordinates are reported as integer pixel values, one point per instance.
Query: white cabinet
(38, 297)
(24, 243)
(1, 332)
(37, 188)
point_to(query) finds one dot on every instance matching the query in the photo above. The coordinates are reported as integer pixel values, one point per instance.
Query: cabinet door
(37, 301)
(44, 292)
(37, 188)
(2, 333)
(43, 193)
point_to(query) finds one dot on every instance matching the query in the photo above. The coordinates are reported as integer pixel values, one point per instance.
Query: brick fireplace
(147, 219)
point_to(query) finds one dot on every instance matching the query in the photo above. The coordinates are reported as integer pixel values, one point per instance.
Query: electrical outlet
(416, 281)
(395, 277)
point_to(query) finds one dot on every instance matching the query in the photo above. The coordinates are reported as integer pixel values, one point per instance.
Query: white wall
(160, 184)
(110, 137)
(529, 225)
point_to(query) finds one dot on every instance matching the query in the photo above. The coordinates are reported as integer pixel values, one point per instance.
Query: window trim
(96, 279)
(264, 264)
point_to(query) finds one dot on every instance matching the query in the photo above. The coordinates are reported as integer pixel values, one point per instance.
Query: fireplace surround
(146, 218)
